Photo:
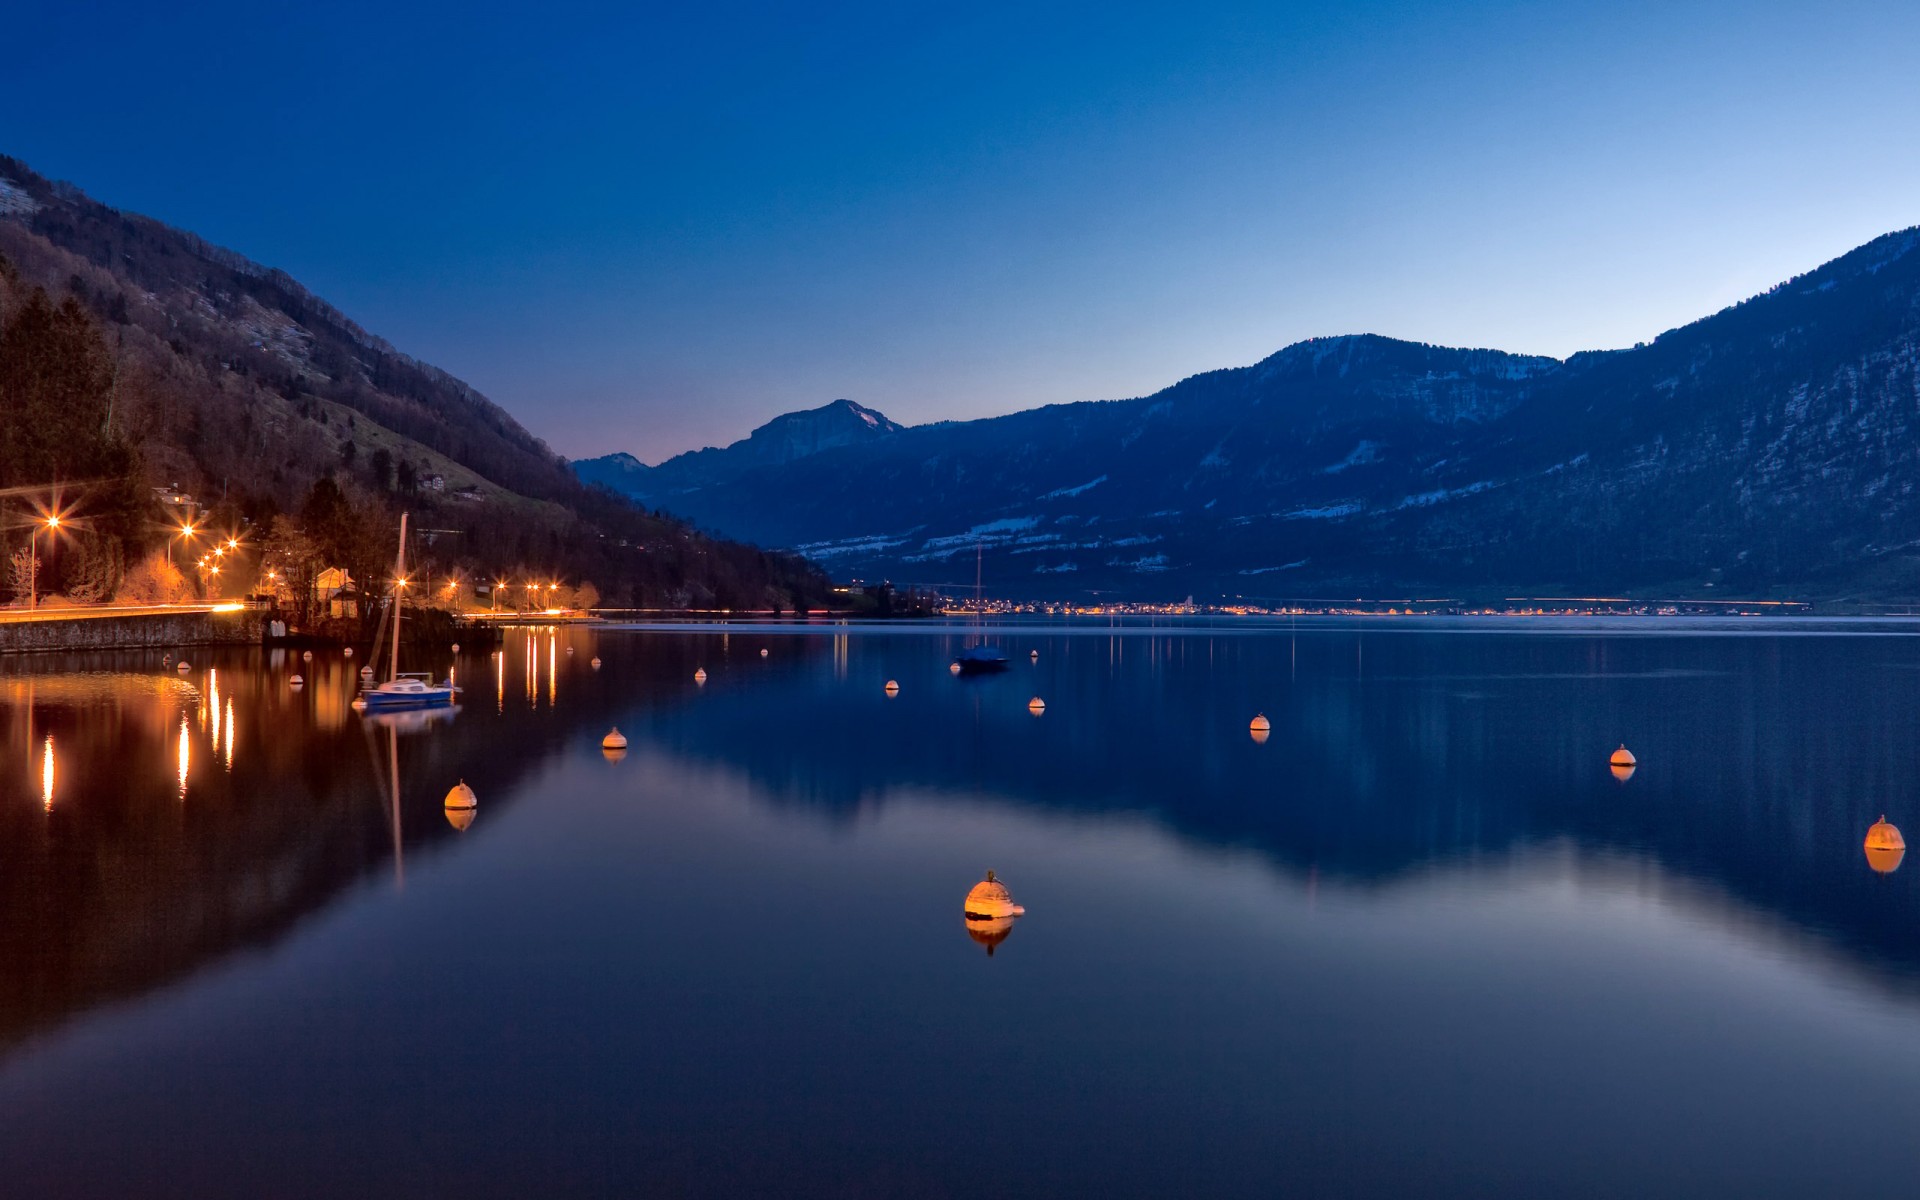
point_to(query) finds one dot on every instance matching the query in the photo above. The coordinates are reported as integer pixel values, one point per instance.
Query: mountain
(232, 381)
(1775, 444)
(780, 441)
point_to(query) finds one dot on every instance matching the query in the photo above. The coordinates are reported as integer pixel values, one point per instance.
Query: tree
(154, 580)
(21, 569)
(381, 464)
(294, 558)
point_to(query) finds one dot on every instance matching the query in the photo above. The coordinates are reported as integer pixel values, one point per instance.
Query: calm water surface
(1419, 942)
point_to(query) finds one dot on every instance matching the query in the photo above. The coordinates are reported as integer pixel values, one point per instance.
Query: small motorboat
(980, 659)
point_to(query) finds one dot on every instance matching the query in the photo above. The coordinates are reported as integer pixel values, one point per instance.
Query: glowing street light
(52, 524)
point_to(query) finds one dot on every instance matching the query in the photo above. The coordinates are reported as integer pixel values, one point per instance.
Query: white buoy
(296, 681)
(700, 675)
(366, 672)
(893, 689)
(183, 666)
(456, 647)
(595, 664)
(763, 652)
(306, 656)
(615, 740)
(1034, 655)
(348, 652)
(569, 649)
(1036, 706)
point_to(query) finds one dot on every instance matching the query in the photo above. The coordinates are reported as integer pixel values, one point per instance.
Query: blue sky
(652, 228)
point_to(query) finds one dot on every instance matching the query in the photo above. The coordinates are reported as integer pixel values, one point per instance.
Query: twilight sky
(653, 227)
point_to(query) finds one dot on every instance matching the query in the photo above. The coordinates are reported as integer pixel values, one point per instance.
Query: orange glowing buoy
(1882, 835)
(1622, 757)
(595, 664)
(1260, 724)
(460, 805)
(893, 689)
(953, 668)
(1885, 847)
(1036, 706)
(990, 901)
(615, 740)
(183, 666)
(700, 675)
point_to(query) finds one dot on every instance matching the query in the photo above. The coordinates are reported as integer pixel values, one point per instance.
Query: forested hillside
(134, 356)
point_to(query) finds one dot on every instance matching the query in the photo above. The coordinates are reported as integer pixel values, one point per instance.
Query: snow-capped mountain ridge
(1771, 443)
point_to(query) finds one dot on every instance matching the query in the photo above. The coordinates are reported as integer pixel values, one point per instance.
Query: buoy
(358, 704)
(763, 652)
(615, 740)
(366, 672)
(183, 666)
(569, 649)
(296, 681)
(893, 689)
(1622, 757)
(953, 668)
(460, 805)
(1034, 655)
(1036, 706)
(1884, 836)
(1260, 724)
(1885, 847)
(306, 656)
(990, 901)
(348, 652)
(456, 647)
(595, 664)
(700, 675)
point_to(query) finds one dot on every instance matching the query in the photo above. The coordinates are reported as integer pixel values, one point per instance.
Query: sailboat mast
(399, 582)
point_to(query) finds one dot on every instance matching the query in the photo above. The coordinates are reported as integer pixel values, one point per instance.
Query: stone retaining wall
(132, 631)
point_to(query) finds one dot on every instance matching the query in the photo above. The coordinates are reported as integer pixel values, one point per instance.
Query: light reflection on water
(1421, 938)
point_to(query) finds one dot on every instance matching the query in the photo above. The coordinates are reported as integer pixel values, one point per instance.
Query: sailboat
(404, 689)
(979, 658)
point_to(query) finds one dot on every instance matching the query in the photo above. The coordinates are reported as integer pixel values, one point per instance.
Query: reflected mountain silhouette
(1392, 756)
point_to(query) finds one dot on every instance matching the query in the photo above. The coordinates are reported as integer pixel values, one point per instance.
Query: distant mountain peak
(785, 439)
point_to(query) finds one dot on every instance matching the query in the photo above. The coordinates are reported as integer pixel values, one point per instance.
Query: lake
(1419, 941)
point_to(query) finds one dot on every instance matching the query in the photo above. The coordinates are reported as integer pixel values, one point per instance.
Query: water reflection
(1243, 917)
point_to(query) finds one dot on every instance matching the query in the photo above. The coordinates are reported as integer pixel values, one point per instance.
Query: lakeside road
(77, 612)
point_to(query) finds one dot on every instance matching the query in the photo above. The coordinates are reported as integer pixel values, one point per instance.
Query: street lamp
(33, 559)
(187, 530)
